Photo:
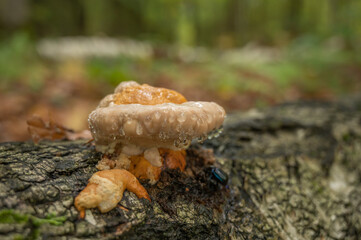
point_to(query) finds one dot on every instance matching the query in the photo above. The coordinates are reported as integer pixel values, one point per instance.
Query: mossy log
(294, 173)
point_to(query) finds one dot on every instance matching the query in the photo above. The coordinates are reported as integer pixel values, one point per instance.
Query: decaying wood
(295, 173)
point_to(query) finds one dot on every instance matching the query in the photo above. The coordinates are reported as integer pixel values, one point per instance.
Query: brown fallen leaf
(40, 130)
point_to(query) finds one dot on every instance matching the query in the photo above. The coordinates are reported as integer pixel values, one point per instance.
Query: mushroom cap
(166, 125)
(132, 93)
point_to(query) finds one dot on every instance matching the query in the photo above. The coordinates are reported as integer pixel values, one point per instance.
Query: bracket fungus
(141, 130)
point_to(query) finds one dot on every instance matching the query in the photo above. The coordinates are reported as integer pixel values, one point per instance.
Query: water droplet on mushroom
(186, 143)
(162, 136)
(171, 118)
(202, 138)
(178, 128)
(121, 131)
(147, 121)
(181, 117)
(198, 104)
(215, 133)
(157, 115)
(139, 129)
(182, 143)
(130, 127)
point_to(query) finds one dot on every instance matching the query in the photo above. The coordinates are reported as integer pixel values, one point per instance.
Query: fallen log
(294, 173)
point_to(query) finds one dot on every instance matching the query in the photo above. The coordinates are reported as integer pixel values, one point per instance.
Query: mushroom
(105, 189)
(155, 118)
(141, 129)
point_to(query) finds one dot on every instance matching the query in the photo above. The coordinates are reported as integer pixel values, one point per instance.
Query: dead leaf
(40, 130)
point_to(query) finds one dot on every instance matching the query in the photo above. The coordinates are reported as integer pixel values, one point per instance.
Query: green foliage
(111, 71)
(223, 78)
(14, 54)
(18, 62)
(318, 41)
(284, 72)
(308, 65)
(197, 22)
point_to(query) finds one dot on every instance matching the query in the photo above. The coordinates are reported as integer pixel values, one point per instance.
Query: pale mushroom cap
(166, 125)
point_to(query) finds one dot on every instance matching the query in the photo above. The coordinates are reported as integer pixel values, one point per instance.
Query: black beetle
(216, 176)
(220, 175)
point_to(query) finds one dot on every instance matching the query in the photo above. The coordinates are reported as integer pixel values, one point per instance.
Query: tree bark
(294, 173)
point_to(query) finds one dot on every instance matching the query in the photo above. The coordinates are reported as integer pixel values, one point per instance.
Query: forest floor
(66, 88)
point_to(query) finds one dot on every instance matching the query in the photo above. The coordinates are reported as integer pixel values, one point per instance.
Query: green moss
(18, 237)
(10, 216)
(51, 219)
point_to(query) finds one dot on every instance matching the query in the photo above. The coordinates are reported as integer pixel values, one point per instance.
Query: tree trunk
(294, 173)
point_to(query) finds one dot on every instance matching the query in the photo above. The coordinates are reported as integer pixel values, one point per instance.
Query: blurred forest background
(60, 57)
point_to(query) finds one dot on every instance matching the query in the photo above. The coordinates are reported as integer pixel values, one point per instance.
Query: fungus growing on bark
(140, 118)
(143, 129)
(105, 189)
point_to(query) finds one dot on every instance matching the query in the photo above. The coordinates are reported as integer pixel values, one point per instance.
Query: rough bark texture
(294, 171)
